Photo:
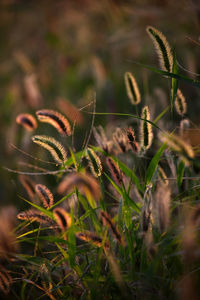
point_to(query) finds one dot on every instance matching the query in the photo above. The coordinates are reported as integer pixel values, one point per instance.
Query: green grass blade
(154, 163)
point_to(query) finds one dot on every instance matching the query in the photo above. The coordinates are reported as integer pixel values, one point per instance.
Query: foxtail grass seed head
(177, 144)
(56, 119)
(162, 48)
(37, 216)
(28, 184)
(27, 121)
(53, 146)
(45, 195)
(180, 103)
(107, 221)
(114, 170)
(132, 88)
(83, 182)
(62, 218)
(92, 238)
(146, 134)
(131, 139)
(94, 162)
(120, 140)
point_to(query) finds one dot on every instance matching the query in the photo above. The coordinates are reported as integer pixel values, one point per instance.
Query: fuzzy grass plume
(162, 48)
(27, 121)
(56, 119)
(45, 195)
(62, 218)
(53, 146)
(180, 103)
(91, 238)
(146, 134)
(132, 88)
(94, 162)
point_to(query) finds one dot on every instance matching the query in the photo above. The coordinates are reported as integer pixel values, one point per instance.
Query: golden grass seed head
(94, 162)
(180, 103)
(120, 140)
(132, 140)
(28, 184)
(146, 134)
(162, 48)
(56, 119)
(62, 218)
(132, 88)
(114, 170)
(45, 195)
(27, 121)
(53, 146)
(37, 216)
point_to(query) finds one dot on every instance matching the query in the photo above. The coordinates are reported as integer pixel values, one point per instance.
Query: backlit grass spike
(94, 162)
(132, 88)
(146, 134)
(56, 119)
(45, 195)
(53, 146)
(180, 103)
(162, 48)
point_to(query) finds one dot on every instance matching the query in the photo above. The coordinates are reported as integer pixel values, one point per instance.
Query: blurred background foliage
(71, 48)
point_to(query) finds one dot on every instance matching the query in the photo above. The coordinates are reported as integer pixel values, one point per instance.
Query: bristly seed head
(132, 88)
(115, 170)
(162, 48)
(56, 119)
(45, 195)
(53, 146)
(180, 103)
(62, 218)
(131, 139)
(94, 162)
(27, 121)
(146, 134)
(92, 238)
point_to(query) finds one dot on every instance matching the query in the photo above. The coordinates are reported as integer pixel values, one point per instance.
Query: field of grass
(100, 133)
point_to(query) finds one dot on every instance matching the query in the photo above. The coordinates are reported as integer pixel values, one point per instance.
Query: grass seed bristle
(45, 195)
(114, 170)
(62, 218)
(37, 216)
(180, 103)
(131, 139)
(146, 134)
(53, 146)
(162, 48)
(56, 119)
(132, 88)
(94, 162)
(27, 121)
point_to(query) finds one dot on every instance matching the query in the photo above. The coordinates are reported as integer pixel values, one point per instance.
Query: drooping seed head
(37, 216)
(53, 146)
(120, 140)
(131, 139)
(62, 218)
(27, 121)
(114, 170)
(45, 195)
(56, 119)
(28, 184)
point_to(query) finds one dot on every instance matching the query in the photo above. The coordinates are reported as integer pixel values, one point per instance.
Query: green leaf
(168, 74)
(154, 163)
